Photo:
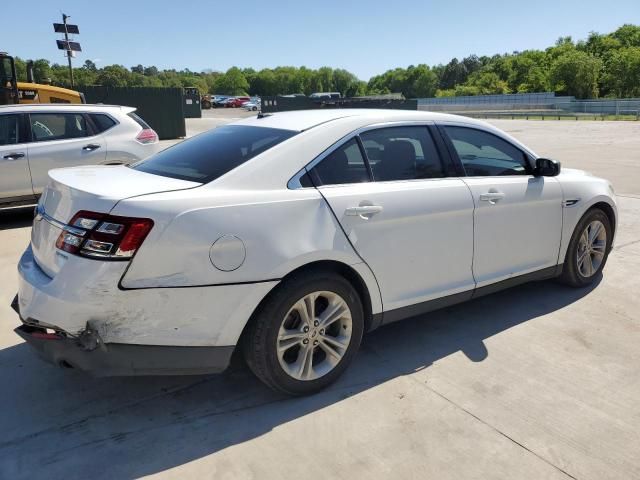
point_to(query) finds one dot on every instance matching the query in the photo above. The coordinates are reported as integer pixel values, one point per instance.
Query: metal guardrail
(551, 115)
(482, 104)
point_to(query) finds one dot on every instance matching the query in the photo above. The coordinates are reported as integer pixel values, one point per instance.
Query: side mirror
(546, 167)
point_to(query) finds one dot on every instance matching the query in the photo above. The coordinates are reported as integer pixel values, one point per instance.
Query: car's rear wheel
(305, 334)
(588, 250)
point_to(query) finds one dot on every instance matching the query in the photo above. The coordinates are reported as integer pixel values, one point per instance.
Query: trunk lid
(93, 188)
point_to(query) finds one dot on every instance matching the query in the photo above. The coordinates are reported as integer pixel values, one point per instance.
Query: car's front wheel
(588, 249)
(305, 334)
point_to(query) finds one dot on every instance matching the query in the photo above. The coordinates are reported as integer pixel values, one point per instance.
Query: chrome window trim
(294, 182)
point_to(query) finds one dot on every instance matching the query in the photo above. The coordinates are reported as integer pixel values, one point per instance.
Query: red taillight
(147, 135)
(98, 235)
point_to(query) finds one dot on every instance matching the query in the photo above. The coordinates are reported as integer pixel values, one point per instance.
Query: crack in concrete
(618, 247)
(497, 430)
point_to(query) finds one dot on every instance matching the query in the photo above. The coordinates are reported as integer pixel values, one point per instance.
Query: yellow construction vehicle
(12, 91)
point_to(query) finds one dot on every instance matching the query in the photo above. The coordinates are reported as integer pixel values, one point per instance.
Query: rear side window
(9, 129)
(343, 165)
(102, 122)
(210, 155)
(57, 126)
(402, 153)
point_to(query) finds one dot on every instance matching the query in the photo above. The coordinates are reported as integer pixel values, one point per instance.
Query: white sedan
(288, 236)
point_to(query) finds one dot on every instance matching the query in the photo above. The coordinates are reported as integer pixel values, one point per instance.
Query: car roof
(301, 120)
(72, 107)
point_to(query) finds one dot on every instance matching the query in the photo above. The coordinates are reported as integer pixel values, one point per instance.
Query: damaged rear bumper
(88, 353)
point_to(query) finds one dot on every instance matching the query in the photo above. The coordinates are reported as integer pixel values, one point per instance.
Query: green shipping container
(161, 108)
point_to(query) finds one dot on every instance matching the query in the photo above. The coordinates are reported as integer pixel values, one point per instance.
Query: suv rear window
(139, 120)
(102, 122)
(210, 155)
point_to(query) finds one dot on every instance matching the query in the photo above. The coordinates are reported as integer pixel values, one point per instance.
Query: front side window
(344, 165)
(210, 155)
(9, 129)
(402, 153)
(485, 155)
(57, 126)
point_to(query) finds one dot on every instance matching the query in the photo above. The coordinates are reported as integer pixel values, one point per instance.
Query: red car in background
(237, 102)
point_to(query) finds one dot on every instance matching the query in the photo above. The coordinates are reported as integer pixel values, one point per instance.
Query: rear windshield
(210, 155)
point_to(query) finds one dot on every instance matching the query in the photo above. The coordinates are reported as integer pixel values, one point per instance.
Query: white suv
(36, 138)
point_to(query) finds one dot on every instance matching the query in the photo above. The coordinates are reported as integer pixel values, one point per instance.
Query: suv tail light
(147, 135)
(107, 237)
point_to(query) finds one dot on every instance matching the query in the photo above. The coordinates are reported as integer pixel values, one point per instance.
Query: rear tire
(305, 334)
(588, 249)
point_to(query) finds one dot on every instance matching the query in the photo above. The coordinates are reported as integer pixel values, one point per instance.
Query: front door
(406, 219)
(15, 179)
(61, 140)
(518, 216)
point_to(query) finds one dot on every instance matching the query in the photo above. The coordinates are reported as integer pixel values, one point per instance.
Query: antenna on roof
(264, 115)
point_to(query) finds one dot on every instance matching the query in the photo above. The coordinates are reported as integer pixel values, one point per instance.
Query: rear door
(518, 216)
(15, 178)
(407, 219)
(61, 139)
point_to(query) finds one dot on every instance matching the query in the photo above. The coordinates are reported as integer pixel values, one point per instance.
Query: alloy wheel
(591, 249)
(314, 335)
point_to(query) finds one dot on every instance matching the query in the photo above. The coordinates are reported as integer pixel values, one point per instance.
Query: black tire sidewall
(571, 273)
(280, 304)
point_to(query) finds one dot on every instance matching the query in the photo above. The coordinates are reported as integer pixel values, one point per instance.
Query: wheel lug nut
(305, 329)
(316, 323)
(322, 332)
(305, 341)
(315, 342)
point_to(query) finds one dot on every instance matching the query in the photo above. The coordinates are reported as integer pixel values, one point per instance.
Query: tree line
(603, 65)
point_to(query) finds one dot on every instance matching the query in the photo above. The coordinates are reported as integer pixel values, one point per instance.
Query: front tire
(588, 249)
(306, 334)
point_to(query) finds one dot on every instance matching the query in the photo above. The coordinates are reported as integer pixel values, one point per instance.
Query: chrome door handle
(13, 156)
(491, 197)
(91, 147)
(363, 210)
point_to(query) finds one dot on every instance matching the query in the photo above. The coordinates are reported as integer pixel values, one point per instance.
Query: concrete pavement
(540, 381)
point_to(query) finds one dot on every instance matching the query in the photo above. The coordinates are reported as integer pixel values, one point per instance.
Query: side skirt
(438, 303)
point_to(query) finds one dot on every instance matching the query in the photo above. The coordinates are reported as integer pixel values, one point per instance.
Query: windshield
(212, 154)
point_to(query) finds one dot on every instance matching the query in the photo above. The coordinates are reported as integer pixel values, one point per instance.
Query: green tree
(623, 72)
(486, 82)
(576, 73)
(628, 35)
(233, 82)
(90, 66)
(114, 76)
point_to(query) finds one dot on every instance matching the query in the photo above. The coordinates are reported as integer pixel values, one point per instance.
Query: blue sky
(365, 37)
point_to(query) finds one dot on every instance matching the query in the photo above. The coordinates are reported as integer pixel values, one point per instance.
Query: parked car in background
(219, 101)
(36, 138)
(237, 102)
(290, 235)
(252, 106)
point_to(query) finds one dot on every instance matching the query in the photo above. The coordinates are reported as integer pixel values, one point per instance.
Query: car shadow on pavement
(74, 426)
(19, 217)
